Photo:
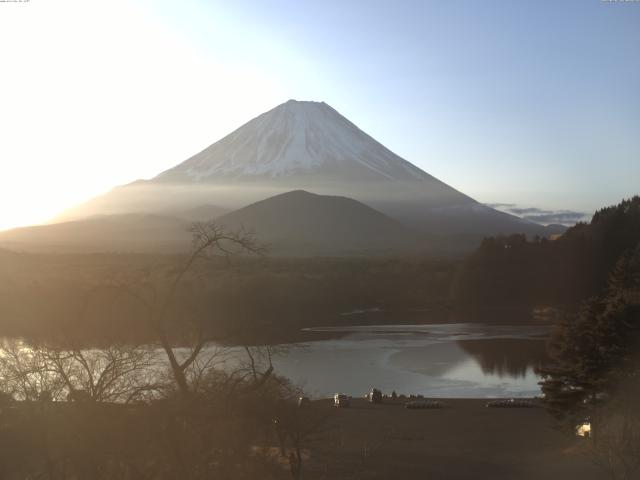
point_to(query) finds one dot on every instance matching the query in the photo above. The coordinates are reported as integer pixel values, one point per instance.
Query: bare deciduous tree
(24, 374)
(209, 238)
(114, 374)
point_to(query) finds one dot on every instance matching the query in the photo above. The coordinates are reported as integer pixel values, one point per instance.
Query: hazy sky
(535, 103)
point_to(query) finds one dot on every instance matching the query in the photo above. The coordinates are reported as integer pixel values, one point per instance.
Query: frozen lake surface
(445, 360)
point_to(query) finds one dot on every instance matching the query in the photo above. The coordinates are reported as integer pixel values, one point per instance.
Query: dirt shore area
(464, 440)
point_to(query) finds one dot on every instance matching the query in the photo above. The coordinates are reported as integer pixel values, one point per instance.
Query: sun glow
(97, 94)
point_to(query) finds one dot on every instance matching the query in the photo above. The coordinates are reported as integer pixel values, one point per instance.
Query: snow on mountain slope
(293, 139)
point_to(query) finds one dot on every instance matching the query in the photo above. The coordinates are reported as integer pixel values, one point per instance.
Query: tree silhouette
(594, 375)
(209, 238)
(596, 350)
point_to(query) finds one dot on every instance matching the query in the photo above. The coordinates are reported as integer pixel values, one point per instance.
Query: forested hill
(514, 270)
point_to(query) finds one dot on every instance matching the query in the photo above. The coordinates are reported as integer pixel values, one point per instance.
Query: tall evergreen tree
(596, 352)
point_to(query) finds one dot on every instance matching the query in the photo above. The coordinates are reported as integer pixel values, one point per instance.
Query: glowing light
(98, 94)
(584, 430)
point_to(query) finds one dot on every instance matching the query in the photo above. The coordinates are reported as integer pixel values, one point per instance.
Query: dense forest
(591, 382)
(519, 271)
(85, 295)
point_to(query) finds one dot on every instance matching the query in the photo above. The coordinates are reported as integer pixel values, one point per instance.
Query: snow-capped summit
(297, 138)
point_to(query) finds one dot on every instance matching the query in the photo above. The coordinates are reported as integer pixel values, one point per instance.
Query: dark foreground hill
(300, 223)
(296, 223)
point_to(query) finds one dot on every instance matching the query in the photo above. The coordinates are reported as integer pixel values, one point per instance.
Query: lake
(454, 360)
(459, 360)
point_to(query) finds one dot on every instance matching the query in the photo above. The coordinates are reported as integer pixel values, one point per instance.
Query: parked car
(341, 400)
(375, 396)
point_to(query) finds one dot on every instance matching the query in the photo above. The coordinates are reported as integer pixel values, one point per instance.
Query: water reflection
(506, 357)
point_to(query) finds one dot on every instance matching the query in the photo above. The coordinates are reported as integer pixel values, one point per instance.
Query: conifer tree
(596, 352)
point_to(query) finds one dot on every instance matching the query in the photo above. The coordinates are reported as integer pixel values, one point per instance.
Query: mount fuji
(301, 145)
(296, 141)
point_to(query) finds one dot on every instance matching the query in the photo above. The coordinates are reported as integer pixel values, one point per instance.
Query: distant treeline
(89, 295)
(515, 270)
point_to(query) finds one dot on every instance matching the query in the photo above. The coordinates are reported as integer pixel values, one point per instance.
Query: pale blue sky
(529, 102)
